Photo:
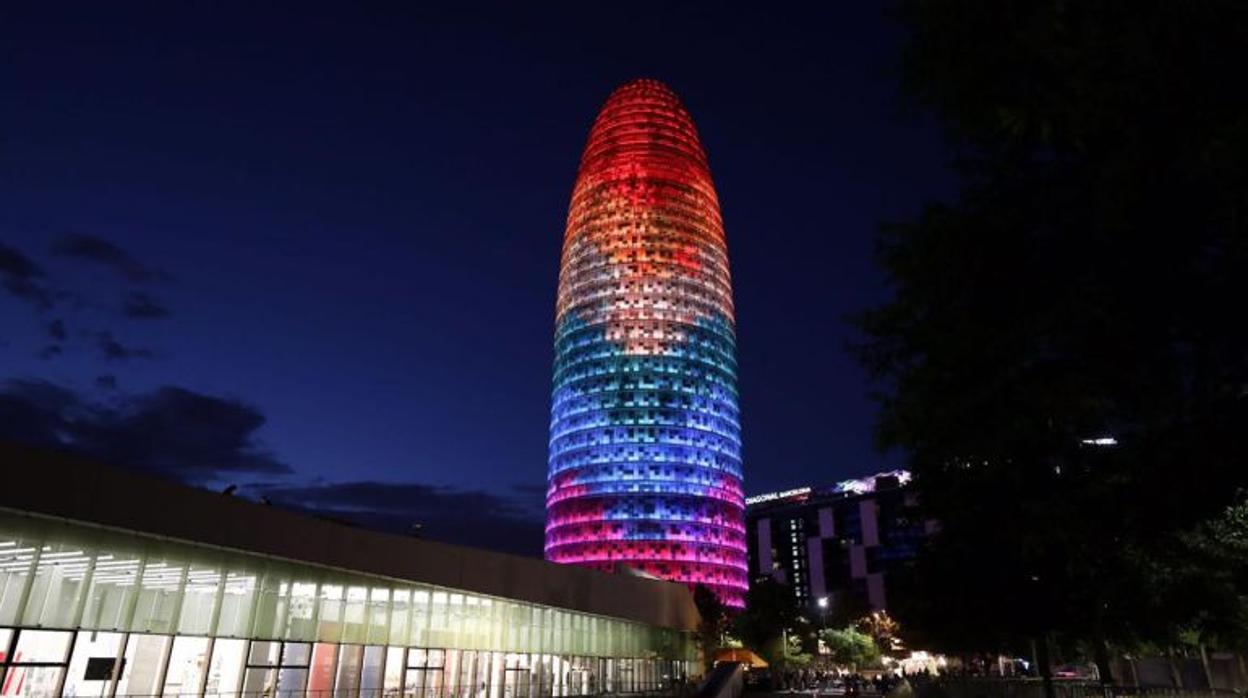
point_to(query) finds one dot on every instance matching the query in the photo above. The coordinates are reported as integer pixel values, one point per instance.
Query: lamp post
(820, 645)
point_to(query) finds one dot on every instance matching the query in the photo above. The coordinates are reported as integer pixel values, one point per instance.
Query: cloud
(89, 248)
(56, 330)
(35, 412)
(23, 279)
(467, 517)
(139, 304)
(206, 440)
(190, 436)
(114, 350)
(50, 351)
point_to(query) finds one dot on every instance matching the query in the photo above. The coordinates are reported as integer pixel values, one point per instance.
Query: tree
(796, 651)
(713, 624)
(771, 614)
(851, 647)
(881, 628)
(1210, 566)
(1056, 360)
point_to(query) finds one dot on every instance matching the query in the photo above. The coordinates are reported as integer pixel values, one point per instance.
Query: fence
(1034, 688)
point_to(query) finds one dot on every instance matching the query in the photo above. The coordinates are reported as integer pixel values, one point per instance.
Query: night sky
(314, 252)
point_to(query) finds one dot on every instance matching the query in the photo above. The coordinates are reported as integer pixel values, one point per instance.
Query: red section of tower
(645, 466)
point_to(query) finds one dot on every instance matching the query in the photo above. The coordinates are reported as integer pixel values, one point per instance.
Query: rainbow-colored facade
(645, 446)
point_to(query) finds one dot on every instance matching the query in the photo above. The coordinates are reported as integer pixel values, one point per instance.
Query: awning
(740, 655)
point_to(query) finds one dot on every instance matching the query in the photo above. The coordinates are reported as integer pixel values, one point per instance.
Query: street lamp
(823, 611)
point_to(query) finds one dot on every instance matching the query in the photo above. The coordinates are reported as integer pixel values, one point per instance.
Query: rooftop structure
(836, 544)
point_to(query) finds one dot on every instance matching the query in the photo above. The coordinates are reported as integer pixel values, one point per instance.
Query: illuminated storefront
(645, 449)
(99, 610)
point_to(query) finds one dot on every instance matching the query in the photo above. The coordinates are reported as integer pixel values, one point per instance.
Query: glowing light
(773, 496)
(645, 446)
(867, 484)
(1100, 441)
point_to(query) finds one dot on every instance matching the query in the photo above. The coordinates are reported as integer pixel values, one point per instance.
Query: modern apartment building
(835, 543)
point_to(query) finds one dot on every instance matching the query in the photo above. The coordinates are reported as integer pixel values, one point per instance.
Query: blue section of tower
(632, 426)
(680, 407)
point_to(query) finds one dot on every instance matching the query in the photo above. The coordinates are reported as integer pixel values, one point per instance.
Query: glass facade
(87, 611)
(645, 447)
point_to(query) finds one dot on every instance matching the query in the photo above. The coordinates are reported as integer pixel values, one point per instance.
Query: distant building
(838, 542)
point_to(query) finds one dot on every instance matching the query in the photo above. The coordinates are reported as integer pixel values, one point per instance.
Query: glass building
(103, 593)
(645, 447)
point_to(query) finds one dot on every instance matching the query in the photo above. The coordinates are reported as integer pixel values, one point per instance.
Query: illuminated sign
(867, 484)
(773, 496)
(856, 486)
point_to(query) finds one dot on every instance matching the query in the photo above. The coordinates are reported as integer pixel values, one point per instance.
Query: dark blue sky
(352, 216)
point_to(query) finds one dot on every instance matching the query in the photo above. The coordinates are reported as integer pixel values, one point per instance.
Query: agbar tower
(645, 448)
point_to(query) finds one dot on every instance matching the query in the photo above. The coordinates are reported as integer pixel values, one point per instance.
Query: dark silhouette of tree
(1086, 285)
(713, 624)
(771, 613)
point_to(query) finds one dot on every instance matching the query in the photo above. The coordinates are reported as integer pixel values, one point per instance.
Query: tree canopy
(714, 621)
(1062, 359)
(851, 647)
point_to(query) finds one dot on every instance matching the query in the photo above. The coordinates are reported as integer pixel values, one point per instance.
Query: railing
(1034, 688)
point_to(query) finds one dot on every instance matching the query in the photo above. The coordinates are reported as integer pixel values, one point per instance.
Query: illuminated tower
(645, 447)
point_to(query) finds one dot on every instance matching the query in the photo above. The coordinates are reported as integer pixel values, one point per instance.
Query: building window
(186, 666)
(225, 672)
(277, 669)
(143, 665)
(347, 681)
(371, 679)
(392, 681)
(93, 663)
(34, 661)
